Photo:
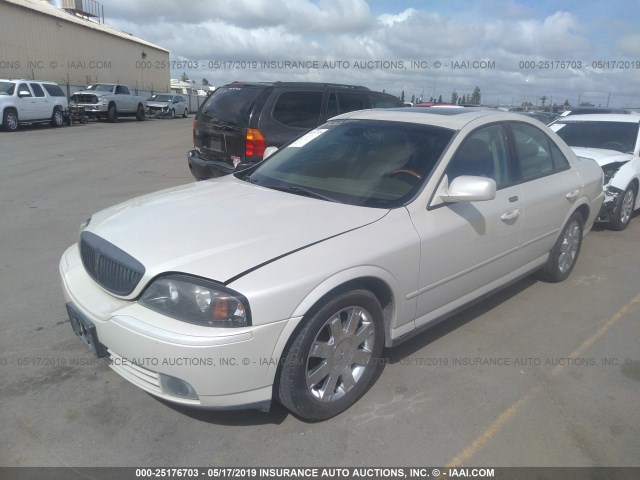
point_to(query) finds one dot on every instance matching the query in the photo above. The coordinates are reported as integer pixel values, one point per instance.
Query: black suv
(238, 121)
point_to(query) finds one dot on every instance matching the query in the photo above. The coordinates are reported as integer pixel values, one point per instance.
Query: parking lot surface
(537, 375)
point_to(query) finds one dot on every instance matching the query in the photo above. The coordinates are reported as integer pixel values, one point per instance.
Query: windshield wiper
(300, 191)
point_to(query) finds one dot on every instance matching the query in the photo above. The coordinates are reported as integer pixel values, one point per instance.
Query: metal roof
(45, 8)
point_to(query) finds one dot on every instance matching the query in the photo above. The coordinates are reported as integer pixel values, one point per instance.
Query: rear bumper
(202, 168)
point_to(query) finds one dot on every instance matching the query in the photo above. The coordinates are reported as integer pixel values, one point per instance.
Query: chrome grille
(112, 268)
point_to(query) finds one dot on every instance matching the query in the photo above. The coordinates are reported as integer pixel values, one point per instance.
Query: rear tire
(335, 358)
(624, 209)
(10, 120)
(564, 254)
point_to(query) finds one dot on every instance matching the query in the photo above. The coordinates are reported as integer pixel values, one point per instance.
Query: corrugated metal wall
(37, 46)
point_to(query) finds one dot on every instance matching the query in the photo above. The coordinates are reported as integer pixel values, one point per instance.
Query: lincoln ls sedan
(285, 281)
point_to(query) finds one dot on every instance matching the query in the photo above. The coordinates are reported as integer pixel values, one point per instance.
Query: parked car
(544, 117)
(238, 121)
(109, 101)
(24, 102)
(286, 280)
(592, 110)
(167, 105)
(613, 141)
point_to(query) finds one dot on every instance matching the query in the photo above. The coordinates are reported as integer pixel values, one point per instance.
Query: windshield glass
(619, 136)
(100, 87)
(7, 88)
(360, 162)
(161, 98)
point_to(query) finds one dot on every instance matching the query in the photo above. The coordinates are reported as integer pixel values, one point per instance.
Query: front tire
(186, 112)
(172, 114)
(57, 119)
(334, 359)
(10, 120)
(624, 209)
(140, 113)
(564, 254)
(112, 114)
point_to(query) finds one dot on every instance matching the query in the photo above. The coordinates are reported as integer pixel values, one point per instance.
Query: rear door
(43, 108)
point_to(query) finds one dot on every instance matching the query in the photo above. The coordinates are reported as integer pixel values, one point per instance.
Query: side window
(383, 101)
(298, 109)
(483, 154)
(37, 90)
(533, 151)
(23, 87)
(348, 102)
(560, 162)
(54, 90)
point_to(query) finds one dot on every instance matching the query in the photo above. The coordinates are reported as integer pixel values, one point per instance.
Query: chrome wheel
(570, 246)
(340, 353)
(11, 121)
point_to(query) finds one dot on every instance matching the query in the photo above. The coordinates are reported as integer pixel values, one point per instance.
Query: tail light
(255, 143)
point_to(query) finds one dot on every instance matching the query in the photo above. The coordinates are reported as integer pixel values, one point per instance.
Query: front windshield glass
(7, 88)
(161, 98)
(360, 162)
(618, 136)
(100, 87)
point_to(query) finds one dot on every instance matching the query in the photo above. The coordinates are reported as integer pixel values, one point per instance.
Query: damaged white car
(166, 105)
(613, 141)
(286, 280)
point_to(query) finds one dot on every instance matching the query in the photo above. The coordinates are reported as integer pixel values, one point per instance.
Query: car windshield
(161, 98)
(359, 162)
(618, 136)
(7, 88)
(100, 87)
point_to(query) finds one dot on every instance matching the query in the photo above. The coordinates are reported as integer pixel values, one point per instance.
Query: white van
(31, 101)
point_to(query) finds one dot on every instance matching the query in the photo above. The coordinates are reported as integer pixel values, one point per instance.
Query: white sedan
(612, 140)
(284, 282)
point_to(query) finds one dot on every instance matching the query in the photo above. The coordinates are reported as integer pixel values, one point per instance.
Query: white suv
(30, 101)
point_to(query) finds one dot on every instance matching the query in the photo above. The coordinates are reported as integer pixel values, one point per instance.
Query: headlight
(196, 300)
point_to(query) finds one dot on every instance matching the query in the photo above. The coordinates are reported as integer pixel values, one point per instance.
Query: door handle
(510, 215)
(573, 194)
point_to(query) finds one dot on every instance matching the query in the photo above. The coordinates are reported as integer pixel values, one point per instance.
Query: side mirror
(269, 151)
(466, 188)
(24, 93)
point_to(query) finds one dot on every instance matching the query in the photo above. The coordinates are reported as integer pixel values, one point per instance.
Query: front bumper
(227, 368)
(611, 195)
(202, 168)
(93, 108)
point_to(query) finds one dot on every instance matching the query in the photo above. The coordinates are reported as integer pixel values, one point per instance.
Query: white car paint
(287, 254)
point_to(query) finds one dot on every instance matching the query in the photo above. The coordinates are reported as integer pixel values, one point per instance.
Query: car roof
(452, 118)
(24, 80)
(601, 117)
(295, 84)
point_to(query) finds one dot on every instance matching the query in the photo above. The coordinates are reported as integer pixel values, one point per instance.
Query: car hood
(221, 228)
(602, 156)
(157, 104)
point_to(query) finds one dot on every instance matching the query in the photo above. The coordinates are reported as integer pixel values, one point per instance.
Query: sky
(514, 51)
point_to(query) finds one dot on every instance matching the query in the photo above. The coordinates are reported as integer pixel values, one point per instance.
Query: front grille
(112, 268)
(85, 98)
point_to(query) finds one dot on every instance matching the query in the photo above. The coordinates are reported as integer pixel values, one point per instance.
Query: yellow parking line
(495, 426)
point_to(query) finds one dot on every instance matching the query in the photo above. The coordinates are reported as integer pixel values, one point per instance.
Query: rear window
(37, 90)
(54, 90)
(232, 104)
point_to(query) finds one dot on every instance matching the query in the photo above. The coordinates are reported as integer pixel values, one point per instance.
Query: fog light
(178, 388)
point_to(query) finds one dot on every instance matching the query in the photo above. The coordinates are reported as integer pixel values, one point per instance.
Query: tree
(475, 96)
(464, 99)
(440, 99)
(586, 104)
(454, 97)
(402, 96)
(184, 77)
(543, 99)
(413, 99)
(205, 81)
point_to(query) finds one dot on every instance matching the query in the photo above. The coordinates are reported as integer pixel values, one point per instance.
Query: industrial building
(71, 47)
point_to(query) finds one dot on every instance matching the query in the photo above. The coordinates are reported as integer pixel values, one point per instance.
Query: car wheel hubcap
(12, 121)
(569, 246)
(339, 354)
(627, 207)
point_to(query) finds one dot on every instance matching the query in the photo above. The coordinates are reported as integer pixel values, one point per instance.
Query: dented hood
(602, 156)
(220, 228)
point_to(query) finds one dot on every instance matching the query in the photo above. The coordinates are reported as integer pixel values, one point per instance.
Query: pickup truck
(109, 100)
